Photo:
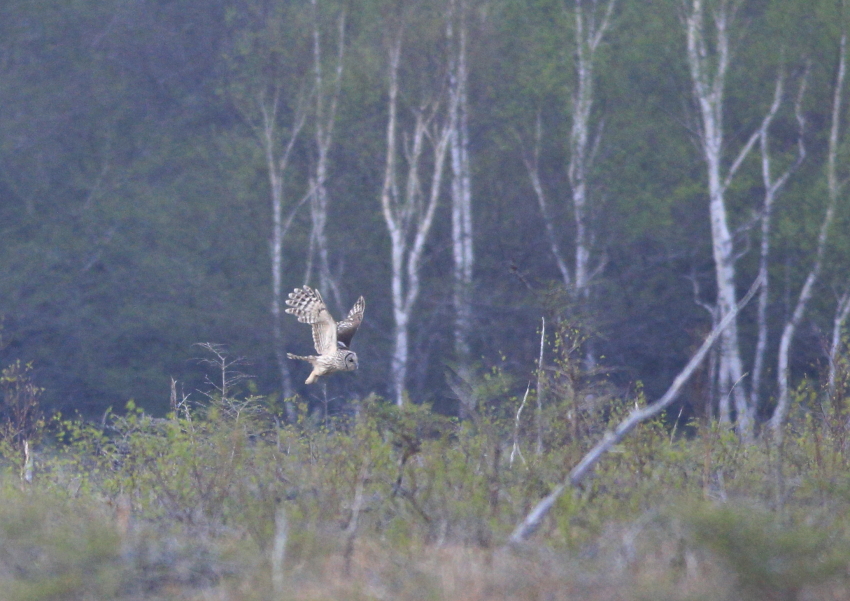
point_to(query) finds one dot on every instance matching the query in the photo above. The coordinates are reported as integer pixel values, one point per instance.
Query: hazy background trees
(141, 145)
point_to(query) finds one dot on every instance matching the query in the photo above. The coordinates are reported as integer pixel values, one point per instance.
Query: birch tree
(834, 187)
(592, 20)
(591, 25)
(272, 100)
(461, 184)
(325, 100)
(277, 162)
(708, 61)
(408, 204)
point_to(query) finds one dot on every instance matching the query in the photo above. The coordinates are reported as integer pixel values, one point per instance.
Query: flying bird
(331, 338)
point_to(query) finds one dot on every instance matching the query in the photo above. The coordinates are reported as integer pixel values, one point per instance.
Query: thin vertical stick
(539, 415)
(356, 507)
(516, 451)
(26, 472)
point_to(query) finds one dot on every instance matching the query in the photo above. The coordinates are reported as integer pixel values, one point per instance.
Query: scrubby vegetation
(222, 500)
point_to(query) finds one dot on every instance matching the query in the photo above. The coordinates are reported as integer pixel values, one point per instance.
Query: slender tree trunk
(276, 163)
(409, 212)
(401, 350)
(772, 187)
(777, 421)
(462, 249)
(592, 19)
(589, 35)
(276, 248)
(325, 115)
(261, 99)
(835, 347)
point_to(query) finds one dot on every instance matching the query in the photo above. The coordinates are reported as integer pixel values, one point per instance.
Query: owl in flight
(330, 338)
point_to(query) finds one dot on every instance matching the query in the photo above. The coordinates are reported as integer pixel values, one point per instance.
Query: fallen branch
(532, 521)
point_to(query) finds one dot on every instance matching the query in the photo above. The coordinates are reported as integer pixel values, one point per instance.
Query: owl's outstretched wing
(347, 328)
(308, 306)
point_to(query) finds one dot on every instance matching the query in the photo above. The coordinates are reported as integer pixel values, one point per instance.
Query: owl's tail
(307, 359)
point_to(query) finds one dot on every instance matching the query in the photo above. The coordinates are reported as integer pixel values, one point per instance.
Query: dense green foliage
(134, 201)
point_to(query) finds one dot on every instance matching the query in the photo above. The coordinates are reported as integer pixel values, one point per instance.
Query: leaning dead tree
(834, 186)
(611, 438)
(408, 205)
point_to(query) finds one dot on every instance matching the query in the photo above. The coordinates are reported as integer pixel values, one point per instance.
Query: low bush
(221, 500)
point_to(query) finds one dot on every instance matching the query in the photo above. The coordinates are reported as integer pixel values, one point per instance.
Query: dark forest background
(135, 212)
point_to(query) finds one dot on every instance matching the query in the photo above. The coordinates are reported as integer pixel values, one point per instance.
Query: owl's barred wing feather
(347, 328)
(308, 306)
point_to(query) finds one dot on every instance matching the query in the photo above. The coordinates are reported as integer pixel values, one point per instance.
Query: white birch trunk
(461, 187)
(276, 163)
(325, 115)
(591, 23)
(408, 213)
(772, 187)
(709, 63)
(777, 421)
(835, 347)
(588, 37)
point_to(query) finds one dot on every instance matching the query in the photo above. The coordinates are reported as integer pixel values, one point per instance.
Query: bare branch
(710, 308)
(532, 166)
(760, 132)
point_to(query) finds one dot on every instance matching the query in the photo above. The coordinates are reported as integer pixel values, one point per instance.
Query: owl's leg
(312, 361)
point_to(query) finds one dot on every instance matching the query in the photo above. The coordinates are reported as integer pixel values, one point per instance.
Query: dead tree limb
(532, 521)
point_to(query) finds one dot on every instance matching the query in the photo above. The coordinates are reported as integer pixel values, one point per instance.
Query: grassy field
(222, 501)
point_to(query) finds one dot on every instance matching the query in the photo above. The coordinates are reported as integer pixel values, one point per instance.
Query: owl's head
(349, 359)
